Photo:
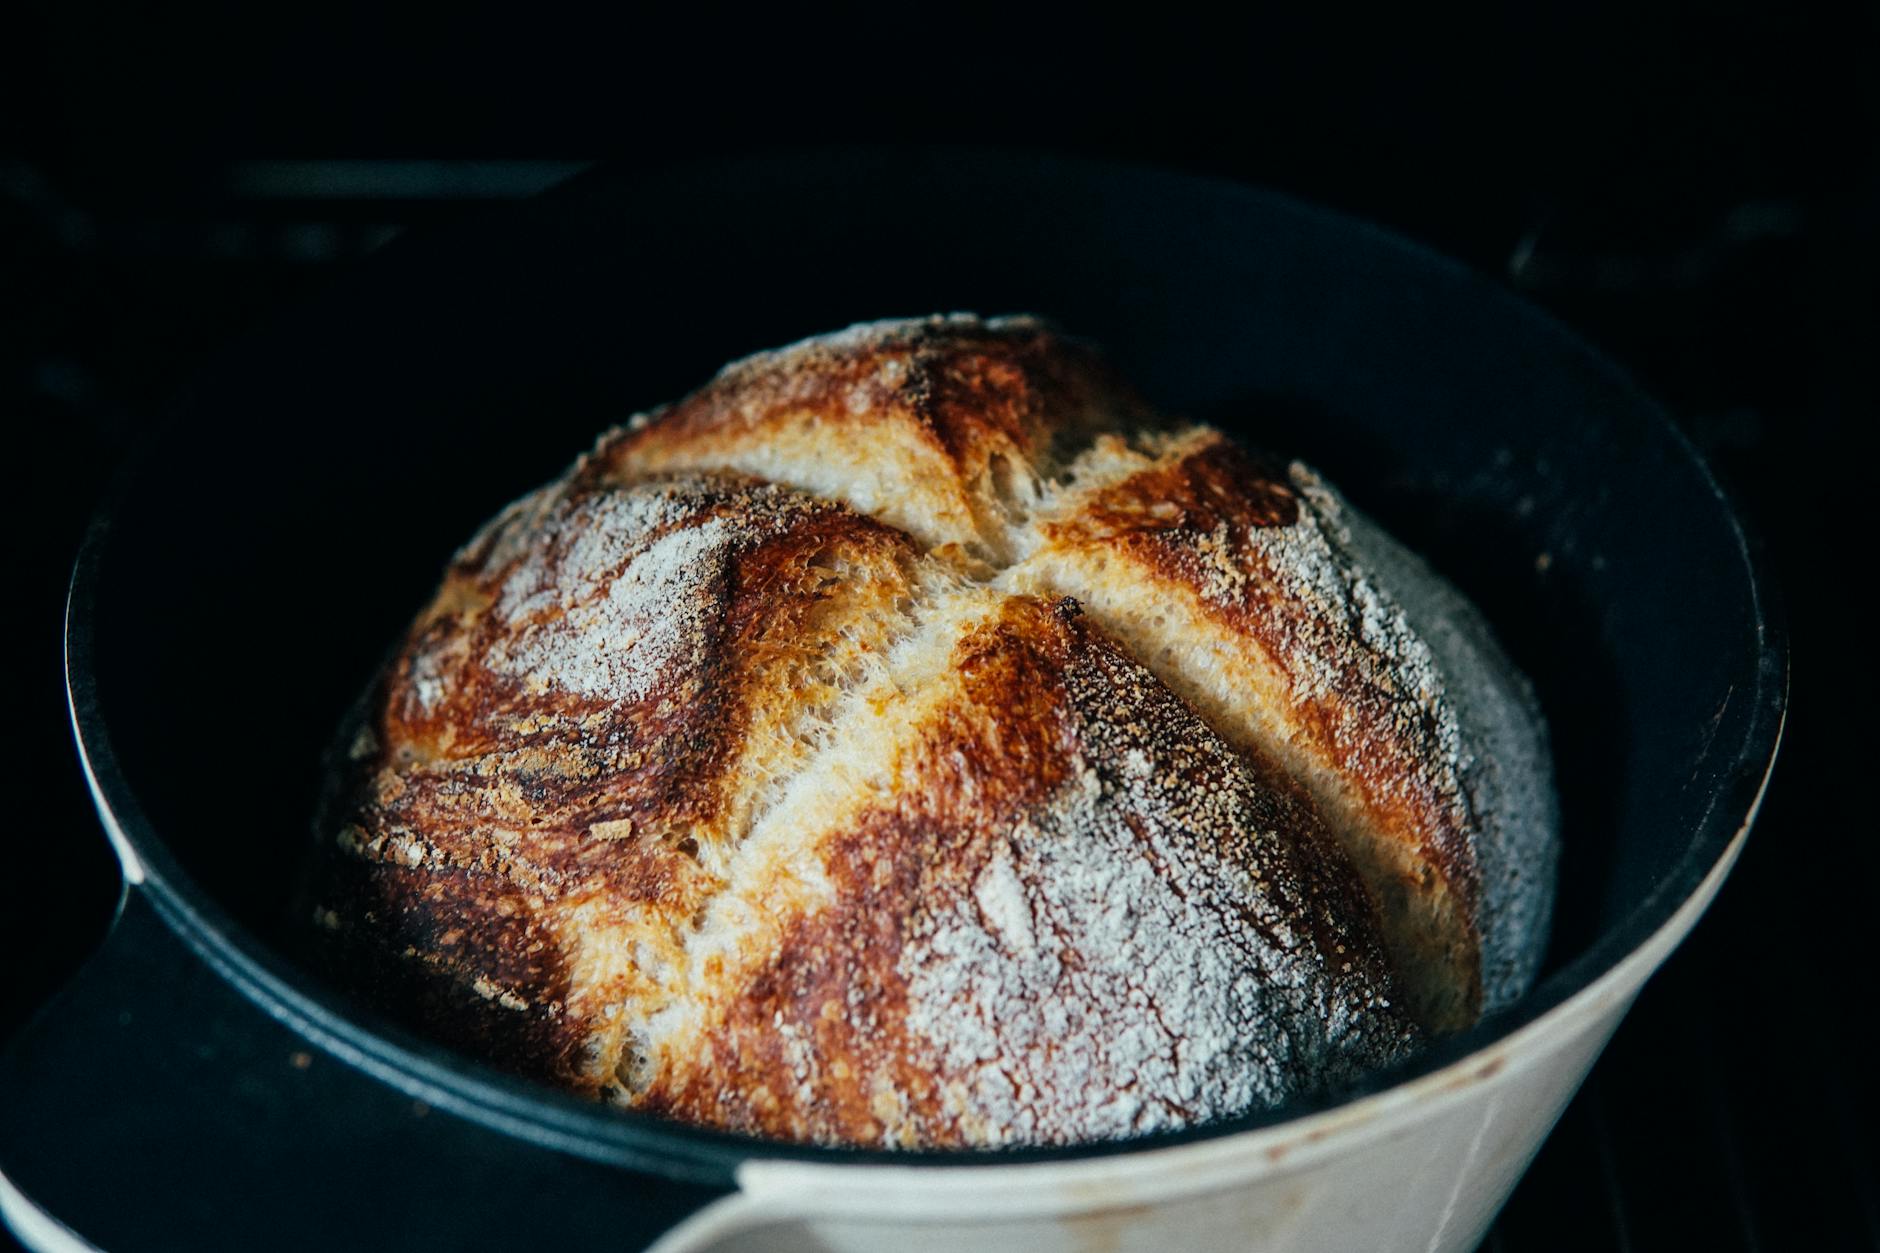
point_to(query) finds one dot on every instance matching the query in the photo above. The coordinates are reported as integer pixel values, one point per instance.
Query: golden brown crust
(871, 1022)
(599, 802)
(968, 388)
(1208, 524)
(761, 772)
(929, 426)
(986, 754)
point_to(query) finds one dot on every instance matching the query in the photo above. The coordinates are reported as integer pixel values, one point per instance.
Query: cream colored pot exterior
(1423, 1166)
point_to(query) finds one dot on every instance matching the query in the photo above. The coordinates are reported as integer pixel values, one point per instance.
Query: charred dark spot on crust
(459, 956)
(1218, 485)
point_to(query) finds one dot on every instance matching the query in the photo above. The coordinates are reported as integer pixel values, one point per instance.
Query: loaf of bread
(912, 739)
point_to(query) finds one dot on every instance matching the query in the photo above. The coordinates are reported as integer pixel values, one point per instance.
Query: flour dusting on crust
(767, 771)
(1166, 939)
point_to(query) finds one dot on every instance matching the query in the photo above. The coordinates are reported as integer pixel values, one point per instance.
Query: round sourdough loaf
(910, 738)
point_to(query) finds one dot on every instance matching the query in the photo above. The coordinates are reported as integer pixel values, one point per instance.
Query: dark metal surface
(1544, 1222)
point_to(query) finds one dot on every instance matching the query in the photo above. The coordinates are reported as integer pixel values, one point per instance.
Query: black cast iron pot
(196, 1088)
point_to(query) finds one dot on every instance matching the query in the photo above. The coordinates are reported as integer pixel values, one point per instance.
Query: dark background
(1695, 188)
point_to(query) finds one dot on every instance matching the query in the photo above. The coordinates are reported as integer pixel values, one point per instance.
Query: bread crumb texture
(911, 739)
